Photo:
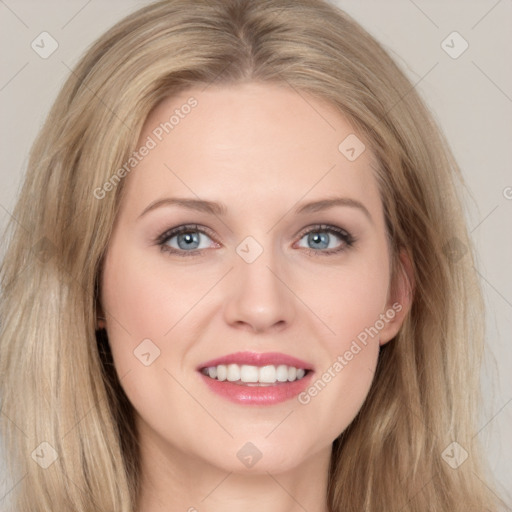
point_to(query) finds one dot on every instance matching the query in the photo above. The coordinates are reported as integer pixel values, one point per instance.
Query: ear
(400, 297)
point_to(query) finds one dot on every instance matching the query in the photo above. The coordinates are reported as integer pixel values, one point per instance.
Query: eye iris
(323, 239)
(189, 238)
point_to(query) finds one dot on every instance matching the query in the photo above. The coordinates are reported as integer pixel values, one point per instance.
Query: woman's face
(282, 271)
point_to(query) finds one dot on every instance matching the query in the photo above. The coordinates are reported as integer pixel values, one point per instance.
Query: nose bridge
(258, 297)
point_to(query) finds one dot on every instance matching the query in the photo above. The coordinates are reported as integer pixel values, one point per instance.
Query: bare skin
(262, 150)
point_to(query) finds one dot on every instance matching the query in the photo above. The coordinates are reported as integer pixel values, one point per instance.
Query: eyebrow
(220, 209)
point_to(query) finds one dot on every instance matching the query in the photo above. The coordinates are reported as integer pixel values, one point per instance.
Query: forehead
(249, 143)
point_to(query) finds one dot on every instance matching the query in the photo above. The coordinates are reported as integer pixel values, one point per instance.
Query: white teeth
(267, 374)
(282, 373)
(246, 373)
(233, 372)
(249, 373)
(222, 372)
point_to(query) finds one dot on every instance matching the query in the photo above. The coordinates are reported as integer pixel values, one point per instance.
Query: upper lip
(257, 359)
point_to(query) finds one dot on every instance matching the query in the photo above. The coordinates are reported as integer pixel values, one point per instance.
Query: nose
(259, 297)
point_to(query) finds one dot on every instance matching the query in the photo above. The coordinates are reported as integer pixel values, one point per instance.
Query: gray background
(471, 97)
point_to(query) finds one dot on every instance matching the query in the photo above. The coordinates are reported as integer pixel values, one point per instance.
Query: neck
(174, 480)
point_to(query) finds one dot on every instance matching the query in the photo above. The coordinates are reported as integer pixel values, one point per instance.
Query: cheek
(352, 299)
(352, 305)
(132, 301)
(145, 301)
(140, 306)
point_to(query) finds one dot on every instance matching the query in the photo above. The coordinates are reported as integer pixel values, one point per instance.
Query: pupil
(321, 239)
(190, 238)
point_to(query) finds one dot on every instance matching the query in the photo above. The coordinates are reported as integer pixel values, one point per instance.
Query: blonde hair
(58, 384)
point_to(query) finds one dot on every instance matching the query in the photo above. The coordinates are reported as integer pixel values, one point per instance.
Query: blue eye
(186, 240)
(322, 240)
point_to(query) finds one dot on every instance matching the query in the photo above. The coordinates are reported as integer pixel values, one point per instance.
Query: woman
(315, 350)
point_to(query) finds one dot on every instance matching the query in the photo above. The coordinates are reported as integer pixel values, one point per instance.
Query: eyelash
(348, 240)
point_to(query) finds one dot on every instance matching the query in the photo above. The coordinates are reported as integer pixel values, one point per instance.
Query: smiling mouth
(250, 375)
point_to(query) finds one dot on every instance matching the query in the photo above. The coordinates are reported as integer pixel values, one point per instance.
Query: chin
(257, 455)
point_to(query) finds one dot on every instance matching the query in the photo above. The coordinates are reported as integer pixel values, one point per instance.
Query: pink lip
(254, 394)
(257, 359)
(258, 395)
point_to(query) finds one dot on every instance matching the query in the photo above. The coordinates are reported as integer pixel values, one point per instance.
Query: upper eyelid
(323, 227)
(172, 232)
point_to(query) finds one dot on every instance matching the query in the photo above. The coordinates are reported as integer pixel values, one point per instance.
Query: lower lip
(258, 395)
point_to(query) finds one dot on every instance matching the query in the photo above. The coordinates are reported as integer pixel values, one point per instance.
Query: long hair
(58, 386)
